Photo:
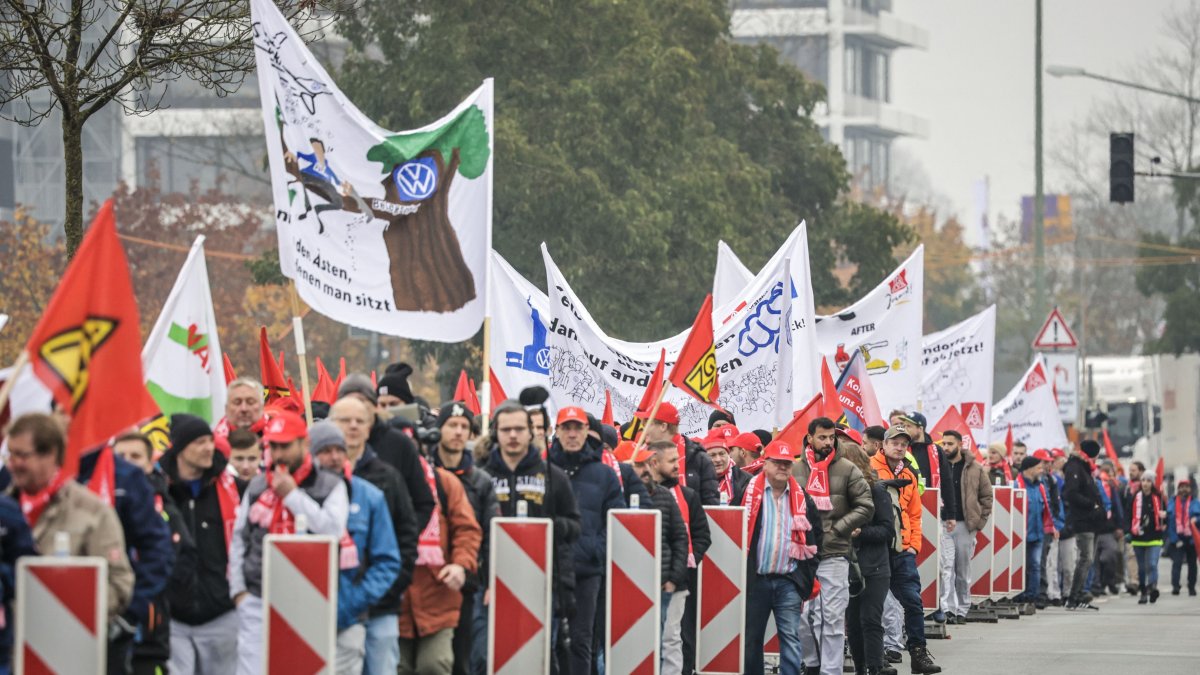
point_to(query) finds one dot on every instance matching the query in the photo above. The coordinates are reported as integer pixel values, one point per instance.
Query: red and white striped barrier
(1002, 542)
(62, 622)
(1017, 582)
(981, 561)
(520, 575)
(928, 556)
(300, 575)
(634, 596)
(721, 615)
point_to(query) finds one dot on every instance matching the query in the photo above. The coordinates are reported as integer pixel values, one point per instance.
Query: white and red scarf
(32, 505)
(429, 545)
(725, 487)
(798, 547)
(103, 482)
(818, 479)
(935, 466)
(1182, 510)
(268, 510)
(610, 460)
(687, 519)
(1138, 499)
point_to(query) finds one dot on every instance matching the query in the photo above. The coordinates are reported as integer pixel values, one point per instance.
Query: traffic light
(1120, 168)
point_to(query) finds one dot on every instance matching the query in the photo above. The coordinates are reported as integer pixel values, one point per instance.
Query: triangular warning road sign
(1055, 334)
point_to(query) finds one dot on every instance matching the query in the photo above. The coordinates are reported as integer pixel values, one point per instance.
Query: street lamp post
(1076, 71)
(1039, 196)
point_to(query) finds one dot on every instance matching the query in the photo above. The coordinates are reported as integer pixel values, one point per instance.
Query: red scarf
(935, 466)
(610, 460)
(798, 547)
(1003, 465)
(104, 478)
(754, 468)
(725, 487)
(268, 510)
(1047, 518)
(682, 445)
(818, 479)
(32, 505)
(687, 519)
(429, 545)
(1137, 511)
(228, 499)
(1182, 511)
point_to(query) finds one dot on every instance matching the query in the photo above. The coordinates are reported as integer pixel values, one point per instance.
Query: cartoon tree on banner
(427, 267)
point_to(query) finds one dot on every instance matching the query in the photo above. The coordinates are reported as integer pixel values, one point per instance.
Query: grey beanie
(325, 434)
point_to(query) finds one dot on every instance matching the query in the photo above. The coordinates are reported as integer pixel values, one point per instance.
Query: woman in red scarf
(1147, 523)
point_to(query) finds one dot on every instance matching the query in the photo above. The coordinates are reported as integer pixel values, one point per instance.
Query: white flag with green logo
(182, 356)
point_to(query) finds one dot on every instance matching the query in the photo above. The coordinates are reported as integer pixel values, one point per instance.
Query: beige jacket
(94, 530)
(976, 489)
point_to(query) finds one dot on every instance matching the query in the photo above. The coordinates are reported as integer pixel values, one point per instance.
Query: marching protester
(843, 499)
(1108, 568)
(873, 439)
(786, 532)
(352, 417)
(204, 625)
(1050, 588)
(291, 486)
(695, 466)
(1038, 523)
(243, 407)
(520, 475)
(901, 482)
(1147, 524)
(1085, 517)
(597, 491)
(731, 480)
(1183, 514)
(933, 466)
(675, 541)
(16, 541)
(872, 541)
(968, 481)
(745, 449)
(1060, 584)
(1019, 452)
(999, 470)
(1129, 486)
(245, 454)
(370, 561)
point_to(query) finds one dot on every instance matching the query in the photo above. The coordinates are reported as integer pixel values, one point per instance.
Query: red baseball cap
(572, 413)
(285, 427)
(780, 450)
(1042, 455)
(720, 437)
(748, 441)
(642, 455)
(1057, 452)
(849, 433)
(624, 451)
(667, 414)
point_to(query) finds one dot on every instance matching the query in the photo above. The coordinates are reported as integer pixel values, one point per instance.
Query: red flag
(797, 429)
(831, 407)
(337, 384)
(607, 417)
(695, 371)
(1160, 470)
(293, 392)
(374, 382)
(230, 373)
(498, 395)
(282, 365)
(1112, 452)
(326, 390)
(273, 381)
(465, 391)
(952, 419)
(1008, 443)
(649, 397)
(89, 333)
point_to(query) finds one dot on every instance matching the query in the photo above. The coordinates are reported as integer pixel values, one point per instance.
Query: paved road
(1123, 638)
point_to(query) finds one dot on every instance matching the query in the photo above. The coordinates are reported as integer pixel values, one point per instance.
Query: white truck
(1152, 404)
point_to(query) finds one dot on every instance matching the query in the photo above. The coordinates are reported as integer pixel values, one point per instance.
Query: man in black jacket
(674, 530)
(393, 446)
(694, 462)
(1085, 517)
(519, 475)
(731, 481)
(203, 620)
(353, 418)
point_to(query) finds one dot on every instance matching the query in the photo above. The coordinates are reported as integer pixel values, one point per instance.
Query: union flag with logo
(87, 347)
(695, 371)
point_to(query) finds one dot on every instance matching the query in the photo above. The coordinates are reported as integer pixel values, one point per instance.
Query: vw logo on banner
(416, 180)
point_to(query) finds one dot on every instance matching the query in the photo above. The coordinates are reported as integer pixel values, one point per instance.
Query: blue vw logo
(416, 180)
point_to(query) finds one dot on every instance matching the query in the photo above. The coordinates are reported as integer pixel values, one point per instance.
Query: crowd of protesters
(834, 527)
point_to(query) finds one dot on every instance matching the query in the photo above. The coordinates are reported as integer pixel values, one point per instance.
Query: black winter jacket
(1081, 496)
(701, 476)
(396, 448)
(395, 494)
(597, 491)
(697, 521)
(874, 542)
(674, 535)
(633, 485)
(198, 591)
(920, 451)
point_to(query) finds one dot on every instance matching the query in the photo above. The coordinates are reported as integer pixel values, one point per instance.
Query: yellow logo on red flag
(695, 370)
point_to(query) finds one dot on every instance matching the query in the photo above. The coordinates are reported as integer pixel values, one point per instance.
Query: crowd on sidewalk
(834, 523)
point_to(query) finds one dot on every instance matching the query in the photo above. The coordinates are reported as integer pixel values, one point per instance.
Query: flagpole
(662, 394)
(485, 405)
(17, 367)
(298, 330)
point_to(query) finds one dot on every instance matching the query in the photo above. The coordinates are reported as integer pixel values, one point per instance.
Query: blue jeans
(382, 653)
(1147, 562)
(773, 595)
(1033, 569)
(479, 628)
(906, 587)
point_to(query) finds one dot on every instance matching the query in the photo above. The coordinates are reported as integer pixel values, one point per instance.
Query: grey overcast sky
(975, 84)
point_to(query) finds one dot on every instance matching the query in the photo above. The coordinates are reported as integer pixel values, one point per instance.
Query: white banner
(384, 231)
(754, 355)
(1031, 411)
(957, 369)
(519, 354)
(182, 357)
(731, 277)
(1063, 370)
(886, 326)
